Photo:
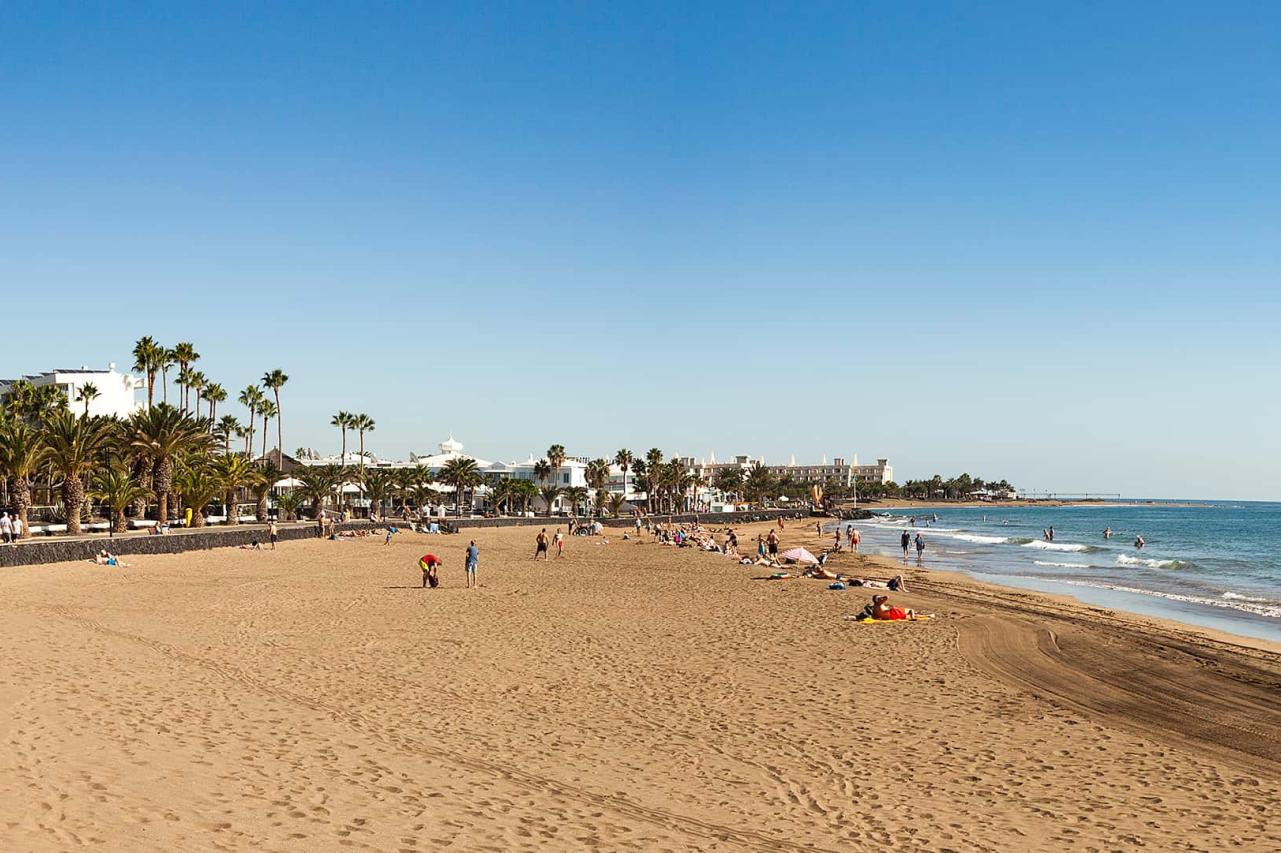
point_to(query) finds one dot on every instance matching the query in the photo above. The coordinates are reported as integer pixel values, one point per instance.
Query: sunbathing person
(881, 609)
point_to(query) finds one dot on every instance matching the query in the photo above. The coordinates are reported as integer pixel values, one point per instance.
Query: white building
(881, 472)
(117, 392)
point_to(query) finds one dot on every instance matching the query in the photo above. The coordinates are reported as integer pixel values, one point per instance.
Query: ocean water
(1215, 564)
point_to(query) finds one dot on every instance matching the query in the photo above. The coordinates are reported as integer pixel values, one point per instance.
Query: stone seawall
(33, 552)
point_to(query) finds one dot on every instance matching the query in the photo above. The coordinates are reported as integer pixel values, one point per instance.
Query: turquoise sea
(1215, 564)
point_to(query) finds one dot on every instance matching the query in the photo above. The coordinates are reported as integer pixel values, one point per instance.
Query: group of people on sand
(430, 565)
(106, 558)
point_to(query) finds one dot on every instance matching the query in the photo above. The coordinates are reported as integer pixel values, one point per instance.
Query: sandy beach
(629, 696)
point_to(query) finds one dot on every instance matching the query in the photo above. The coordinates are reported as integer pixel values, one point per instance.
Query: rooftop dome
(450, 445)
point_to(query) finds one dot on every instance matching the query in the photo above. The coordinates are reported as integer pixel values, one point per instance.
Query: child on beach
(560, 544)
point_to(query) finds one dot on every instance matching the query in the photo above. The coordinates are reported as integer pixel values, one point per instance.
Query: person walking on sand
(920, 549)
(906, 542)
(429, 563)
(560, 544)
(273, 533)
(473, 561)
(771, 543)
(541, 547)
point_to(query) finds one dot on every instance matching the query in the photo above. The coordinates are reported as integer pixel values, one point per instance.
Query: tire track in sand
(1159, 699)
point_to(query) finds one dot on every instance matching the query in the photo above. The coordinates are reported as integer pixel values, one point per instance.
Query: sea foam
(1270, 610)
(1127, 560)
(1056, 546)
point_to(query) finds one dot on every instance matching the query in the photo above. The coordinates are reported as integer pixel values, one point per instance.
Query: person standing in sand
(473, 561)
(560, 544)
(906, 541)
(273, 533)
(541, 546)
(771, 542)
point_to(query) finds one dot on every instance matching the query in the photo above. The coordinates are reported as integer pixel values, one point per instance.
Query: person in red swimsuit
(881, 609)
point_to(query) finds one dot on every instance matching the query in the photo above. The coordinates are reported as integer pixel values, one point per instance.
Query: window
(564, 478)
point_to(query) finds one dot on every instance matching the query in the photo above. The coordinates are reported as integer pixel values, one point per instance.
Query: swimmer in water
(1138, 542)
(1107, 533)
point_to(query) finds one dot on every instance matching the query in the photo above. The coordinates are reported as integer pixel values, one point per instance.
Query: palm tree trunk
(119, 523)
(233, 511)
(22, 501)
(265, 421)
(73, 496)
(162, 482)
(280, 431)
(261, 509)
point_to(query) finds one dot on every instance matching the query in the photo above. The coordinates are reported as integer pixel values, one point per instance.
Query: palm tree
(21, 454)
(616, 505)
(501, 491)
(549, 494)
(71, 447)
(116, 488)
(577, 498)
(624, 459)
(597, 474)
(287, 504)
(318, 484)
(653, 461)
(196, 381)
(343, 421)
(275, 380)
(184, 354)
(543, 471)
(214, 394)
(196, 485)
(377, 482)
(88, 391)
(148, 357)
(525, 491)
(556, 458)
(161, 434)
(261, 483)
(227, 427)
(362, 424)
(167, 360)
(251, 398)
(462, 474)
(267, 410)
(232, 473)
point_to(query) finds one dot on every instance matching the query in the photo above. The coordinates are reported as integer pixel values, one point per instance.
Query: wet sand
(627, 696)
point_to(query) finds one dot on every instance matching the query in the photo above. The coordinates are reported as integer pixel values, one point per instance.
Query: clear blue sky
(1031, 241)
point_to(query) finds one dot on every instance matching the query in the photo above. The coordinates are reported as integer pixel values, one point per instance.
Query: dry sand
(628, 696)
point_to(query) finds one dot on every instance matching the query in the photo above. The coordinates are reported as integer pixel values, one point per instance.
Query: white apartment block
(117, 392)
